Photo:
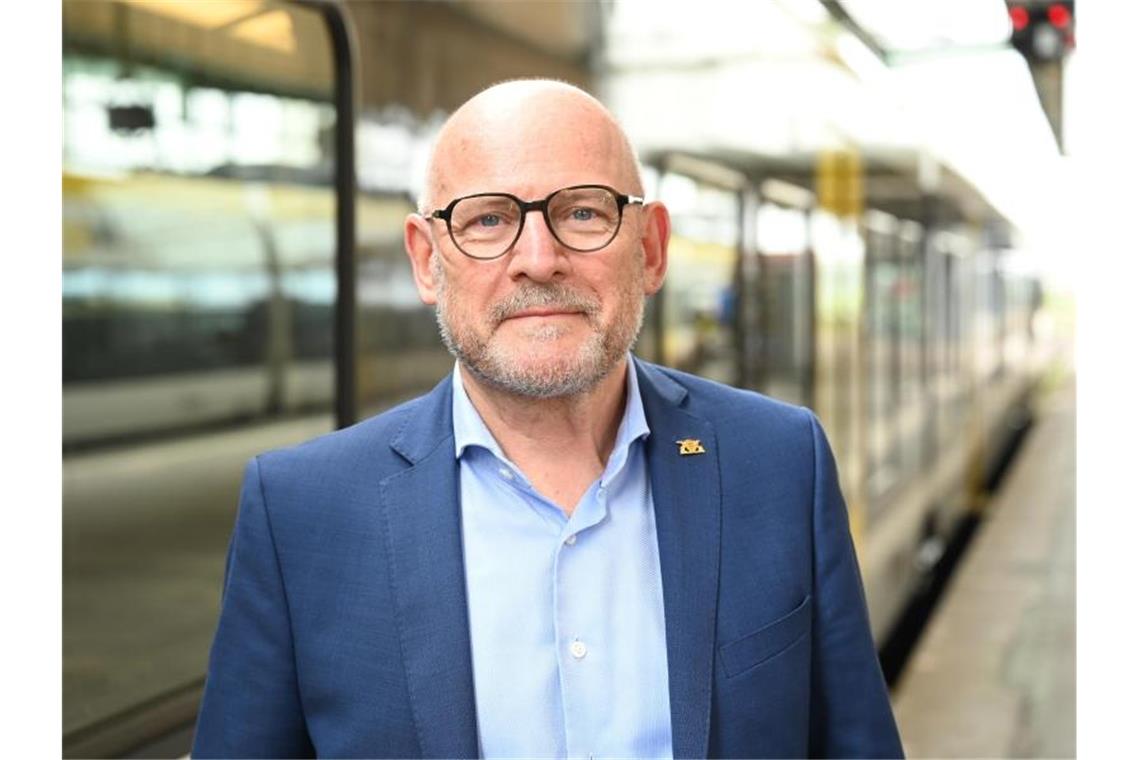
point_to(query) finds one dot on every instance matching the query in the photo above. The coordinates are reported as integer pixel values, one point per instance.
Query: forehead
(530, 148)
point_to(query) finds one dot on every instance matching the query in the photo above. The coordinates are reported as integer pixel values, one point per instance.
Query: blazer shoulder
(749, 426)
(725, 403)
(367, 446)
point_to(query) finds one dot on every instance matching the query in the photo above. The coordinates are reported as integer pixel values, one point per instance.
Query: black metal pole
(344, 47)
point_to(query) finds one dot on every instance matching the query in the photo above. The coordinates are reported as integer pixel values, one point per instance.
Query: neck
(562, 444)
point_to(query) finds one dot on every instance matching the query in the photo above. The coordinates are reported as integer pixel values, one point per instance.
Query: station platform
(994, 674)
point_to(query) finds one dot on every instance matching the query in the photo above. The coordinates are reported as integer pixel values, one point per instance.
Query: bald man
(561, 551)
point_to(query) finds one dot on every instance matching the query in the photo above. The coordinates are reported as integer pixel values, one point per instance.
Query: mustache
(533, 295)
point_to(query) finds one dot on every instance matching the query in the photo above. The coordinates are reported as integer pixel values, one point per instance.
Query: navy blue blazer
(343, 629)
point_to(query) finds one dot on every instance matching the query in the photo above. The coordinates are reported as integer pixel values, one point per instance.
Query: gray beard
(571, 376)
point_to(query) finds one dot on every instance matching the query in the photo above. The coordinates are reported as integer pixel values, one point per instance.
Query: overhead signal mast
(1044, 31)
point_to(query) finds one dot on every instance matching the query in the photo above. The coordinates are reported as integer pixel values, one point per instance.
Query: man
(561, 550)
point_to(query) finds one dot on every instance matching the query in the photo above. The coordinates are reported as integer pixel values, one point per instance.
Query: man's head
(543, 319)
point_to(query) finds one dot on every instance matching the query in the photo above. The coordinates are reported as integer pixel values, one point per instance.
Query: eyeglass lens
(583, 219)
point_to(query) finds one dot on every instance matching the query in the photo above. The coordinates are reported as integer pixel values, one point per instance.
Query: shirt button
(506, 473)
(578, 649)
(571, 539)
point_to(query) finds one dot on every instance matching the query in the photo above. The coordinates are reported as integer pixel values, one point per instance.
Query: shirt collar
(470, 430)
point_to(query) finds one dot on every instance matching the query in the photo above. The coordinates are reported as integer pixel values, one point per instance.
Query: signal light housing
(1042, 31)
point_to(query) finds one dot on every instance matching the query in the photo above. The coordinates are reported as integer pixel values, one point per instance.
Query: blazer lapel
(686, 500)
(421, 511)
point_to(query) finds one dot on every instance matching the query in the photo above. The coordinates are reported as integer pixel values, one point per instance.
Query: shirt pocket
(766, 642)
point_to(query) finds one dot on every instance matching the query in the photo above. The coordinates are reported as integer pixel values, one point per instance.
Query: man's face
(541, 321)
(542, 339)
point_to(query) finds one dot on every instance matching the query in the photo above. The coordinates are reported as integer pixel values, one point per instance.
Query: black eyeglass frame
(542, 205)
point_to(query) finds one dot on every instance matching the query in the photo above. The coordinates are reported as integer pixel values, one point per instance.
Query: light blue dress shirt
(566, 614)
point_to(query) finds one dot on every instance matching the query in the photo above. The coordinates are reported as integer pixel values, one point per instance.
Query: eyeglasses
(582, 218)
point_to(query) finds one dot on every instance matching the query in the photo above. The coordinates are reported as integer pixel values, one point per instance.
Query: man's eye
(581, 214)
(489, 220)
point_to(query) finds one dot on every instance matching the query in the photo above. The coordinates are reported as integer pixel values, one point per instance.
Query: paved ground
(995, 673)
(145, 531)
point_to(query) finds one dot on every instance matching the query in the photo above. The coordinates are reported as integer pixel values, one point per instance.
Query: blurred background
(868, 204)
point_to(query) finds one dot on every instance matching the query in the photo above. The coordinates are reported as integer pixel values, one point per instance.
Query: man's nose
(537, 254)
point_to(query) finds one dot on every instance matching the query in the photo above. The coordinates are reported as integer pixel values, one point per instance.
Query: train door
(838, 254)
(201, 228)
(897, 418)
(932, 297)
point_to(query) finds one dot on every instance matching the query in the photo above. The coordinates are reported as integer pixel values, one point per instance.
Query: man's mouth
(545, 311)
(544, 302)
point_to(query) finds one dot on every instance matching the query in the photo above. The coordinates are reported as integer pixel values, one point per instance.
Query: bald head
(529, 137)
(537, 317)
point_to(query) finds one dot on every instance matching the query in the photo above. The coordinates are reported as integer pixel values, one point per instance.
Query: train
(204, 271)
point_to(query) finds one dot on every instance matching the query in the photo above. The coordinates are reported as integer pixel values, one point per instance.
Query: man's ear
(418, 244)
(655, 243)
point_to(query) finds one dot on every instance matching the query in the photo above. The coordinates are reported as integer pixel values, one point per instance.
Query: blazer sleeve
(850, 709)
(251, 706)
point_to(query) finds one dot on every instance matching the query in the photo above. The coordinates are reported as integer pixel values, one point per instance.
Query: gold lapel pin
(690, 446)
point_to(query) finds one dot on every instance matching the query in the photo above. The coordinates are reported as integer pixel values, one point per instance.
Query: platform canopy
(777, 83)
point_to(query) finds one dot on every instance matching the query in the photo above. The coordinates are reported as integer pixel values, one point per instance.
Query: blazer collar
(427, 423)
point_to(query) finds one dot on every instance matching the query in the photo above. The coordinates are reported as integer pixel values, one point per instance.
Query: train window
(950, 292)
(881, 387)
(648, 341)
(198, 295)
(1022, 297)
(698, 302)
(987, 318)
(397, 351)
(911, 413)
(787, 302)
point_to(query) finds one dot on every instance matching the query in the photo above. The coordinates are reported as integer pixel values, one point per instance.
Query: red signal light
(1059, 16)
(1020, 17)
